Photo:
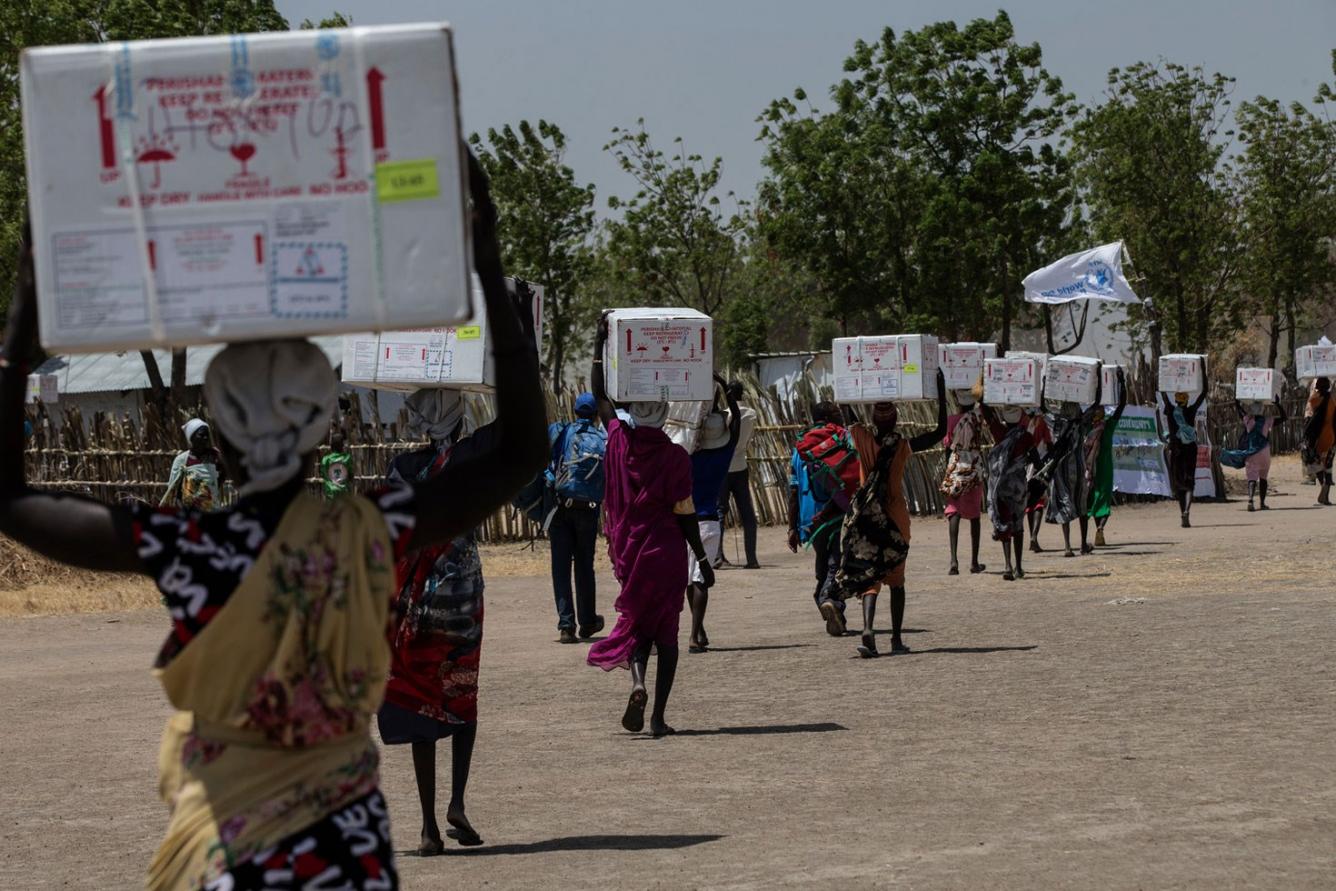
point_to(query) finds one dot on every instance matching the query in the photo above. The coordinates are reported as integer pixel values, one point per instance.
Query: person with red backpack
(823, 464)
(876, 531)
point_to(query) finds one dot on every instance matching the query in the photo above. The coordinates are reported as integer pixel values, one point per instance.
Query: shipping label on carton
(1315, 361)
(885, 368)
(1071, 379)
(1011, 381)
(962, 363)
(1256, 384)
(222, 188)
(657, 357)
(1180, 373)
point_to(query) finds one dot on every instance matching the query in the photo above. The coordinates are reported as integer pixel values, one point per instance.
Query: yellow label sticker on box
(472, 332)
(407, 180)
(911, 368)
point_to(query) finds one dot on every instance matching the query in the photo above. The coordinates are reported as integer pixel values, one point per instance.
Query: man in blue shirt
(709, 468)
(576, 474)
(806, 502)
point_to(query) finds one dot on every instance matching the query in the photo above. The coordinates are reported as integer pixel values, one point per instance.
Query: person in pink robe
(649, 519)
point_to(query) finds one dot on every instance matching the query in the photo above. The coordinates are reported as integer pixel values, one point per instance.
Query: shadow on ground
(589, 843)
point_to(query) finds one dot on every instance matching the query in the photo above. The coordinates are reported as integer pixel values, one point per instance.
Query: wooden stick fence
(115, 458)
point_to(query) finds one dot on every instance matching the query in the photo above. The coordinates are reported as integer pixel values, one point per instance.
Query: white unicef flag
(1096, 274)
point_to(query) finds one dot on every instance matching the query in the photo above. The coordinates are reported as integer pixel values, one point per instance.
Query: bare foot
(658, 728)
(432, 845)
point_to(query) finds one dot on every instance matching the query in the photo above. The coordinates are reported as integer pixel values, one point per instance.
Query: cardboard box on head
(1012, 381)
(885, 368)
(659, 355)
(1108, 375)
(248, 186)
(1041, 359)
(1256, 385)
(1071, 379)
(1181, 373)
(456, 356)
(1318, 360)
(962, 363)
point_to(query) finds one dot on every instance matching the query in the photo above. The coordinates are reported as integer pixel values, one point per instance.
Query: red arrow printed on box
(104, 131)
(374, 100)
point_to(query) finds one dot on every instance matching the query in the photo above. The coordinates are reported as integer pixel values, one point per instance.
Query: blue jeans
(572, 535)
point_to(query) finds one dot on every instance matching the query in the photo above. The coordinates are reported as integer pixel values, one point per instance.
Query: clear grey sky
(704, 69)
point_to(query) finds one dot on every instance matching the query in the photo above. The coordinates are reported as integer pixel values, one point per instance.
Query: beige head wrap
(272, 400)
(434, 412)
(648, 414)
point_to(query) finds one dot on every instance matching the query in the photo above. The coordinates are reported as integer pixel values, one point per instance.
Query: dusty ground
(1158, 715)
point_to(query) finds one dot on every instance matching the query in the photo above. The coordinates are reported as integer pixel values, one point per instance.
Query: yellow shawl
(274, 696)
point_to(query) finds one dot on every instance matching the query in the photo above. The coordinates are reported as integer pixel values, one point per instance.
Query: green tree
(672, 243)
(1149, 159)
(936, 182)
(1287, 178)
(545, 219)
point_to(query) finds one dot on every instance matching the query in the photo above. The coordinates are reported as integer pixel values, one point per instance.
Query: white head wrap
(965, 398)
(714, 431)
(1011, 413)
(434, 412)
(191, 427)
(272, 400)
(648, 414)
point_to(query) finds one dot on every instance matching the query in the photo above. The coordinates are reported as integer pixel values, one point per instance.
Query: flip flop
(977, 568)
(634, 719)
(464, 833)
(954, 570)
(868, 648)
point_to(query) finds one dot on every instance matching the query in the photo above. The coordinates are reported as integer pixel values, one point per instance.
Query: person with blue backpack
(575, 475)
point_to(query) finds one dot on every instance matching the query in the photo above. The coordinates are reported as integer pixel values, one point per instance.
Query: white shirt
(745, 431)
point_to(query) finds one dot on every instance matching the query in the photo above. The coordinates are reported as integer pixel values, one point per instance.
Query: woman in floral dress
(279, 605)
(437, 634)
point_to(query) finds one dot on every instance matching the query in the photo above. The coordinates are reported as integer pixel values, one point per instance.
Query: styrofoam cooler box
(684, 423)
(962, 363)
(1071, 379)
(456, 356)
(1180, 373)
(1108, 375)
(659, 355)
(1256, 385)
(1012, 381)
(248, 186)
(1315, 361)
(884, 368)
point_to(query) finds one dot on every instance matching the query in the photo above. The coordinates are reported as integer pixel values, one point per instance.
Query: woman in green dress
(1099, 461)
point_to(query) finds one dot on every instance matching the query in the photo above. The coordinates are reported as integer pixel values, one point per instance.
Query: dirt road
(1161, 714)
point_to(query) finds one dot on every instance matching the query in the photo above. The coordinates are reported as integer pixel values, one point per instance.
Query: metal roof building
(123, 372)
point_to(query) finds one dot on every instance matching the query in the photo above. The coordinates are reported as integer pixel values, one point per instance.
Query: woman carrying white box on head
(1181, 416)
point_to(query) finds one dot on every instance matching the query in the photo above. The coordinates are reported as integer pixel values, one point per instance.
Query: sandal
(633, 721)
(977, 568)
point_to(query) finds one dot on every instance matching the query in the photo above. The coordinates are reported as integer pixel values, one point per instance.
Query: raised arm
(60, 525)
(1089, 413)
(598, 383)
(925, 441)
(734, 414)
(463, 495)
(1205, 387)
(1122, 399)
